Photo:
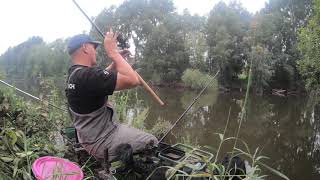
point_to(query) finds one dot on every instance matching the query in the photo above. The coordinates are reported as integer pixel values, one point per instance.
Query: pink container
(48, 168)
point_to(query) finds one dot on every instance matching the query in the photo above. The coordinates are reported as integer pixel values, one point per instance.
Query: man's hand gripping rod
(144, 84)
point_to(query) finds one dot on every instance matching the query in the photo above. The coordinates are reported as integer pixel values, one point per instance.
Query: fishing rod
(32, 96)
(184, 113)
(144, 84)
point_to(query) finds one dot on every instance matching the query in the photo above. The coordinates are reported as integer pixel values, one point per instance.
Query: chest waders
(93, 129)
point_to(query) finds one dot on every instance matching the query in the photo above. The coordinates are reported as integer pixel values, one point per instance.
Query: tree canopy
(280, 41)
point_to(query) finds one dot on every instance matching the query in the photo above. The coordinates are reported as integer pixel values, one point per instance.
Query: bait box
(196, 158)
(172, 154)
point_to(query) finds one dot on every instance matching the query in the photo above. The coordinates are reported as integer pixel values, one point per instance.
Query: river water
(285, 129)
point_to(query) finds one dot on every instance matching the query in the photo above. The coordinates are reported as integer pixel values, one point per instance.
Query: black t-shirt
(89, 87)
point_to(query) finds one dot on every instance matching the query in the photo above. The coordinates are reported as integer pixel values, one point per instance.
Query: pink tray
(48, 167)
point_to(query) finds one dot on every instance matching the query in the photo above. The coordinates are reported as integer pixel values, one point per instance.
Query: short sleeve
(97, 81)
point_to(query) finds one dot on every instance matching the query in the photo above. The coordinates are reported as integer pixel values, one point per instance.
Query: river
(286, 129)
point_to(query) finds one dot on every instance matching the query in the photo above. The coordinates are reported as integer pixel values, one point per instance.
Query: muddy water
(287, 130)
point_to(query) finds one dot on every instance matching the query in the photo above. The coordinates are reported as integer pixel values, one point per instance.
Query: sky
(53, 19)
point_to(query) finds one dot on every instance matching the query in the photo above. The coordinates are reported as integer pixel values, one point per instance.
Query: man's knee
(144, 141)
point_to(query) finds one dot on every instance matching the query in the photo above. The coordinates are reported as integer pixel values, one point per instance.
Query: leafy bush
(121, 104)
(27, 132)
(195, 79)
(18, 153)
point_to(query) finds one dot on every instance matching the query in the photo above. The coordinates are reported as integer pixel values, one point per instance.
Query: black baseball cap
(78, 40)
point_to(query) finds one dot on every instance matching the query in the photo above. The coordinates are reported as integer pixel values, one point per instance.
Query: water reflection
(284, 128)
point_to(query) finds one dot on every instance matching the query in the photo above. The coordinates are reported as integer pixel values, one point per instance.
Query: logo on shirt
(71, 86)
(105, 72)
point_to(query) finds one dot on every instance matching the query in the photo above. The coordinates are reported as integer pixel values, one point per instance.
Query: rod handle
(150, 91)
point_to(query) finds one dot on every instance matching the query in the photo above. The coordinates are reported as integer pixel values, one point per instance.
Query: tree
(263, 41)
(165, 53)
(136, 19)
(195, 39)
(13, 60)
(309, 38)
(34, 58)
(227, 25)
(261, 68)
(285, 18)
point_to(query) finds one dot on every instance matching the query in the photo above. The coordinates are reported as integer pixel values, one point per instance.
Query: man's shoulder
(80, 71)
(76, 66)
(86, 69)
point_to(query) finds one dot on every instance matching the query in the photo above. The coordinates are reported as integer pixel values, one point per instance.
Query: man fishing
(87, 91)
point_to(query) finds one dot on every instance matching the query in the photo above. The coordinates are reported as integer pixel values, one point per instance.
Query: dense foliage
(167, 43)
(309, 38)
(28, 131)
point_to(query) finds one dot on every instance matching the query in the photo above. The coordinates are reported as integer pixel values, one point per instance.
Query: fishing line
(32, 96)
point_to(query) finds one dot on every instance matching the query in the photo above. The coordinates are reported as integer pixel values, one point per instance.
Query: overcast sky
(53, 19)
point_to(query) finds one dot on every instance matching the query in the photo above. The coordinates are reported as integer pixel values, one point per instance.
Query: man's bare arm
(110, 67)
(124, 53)
(126, 77)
